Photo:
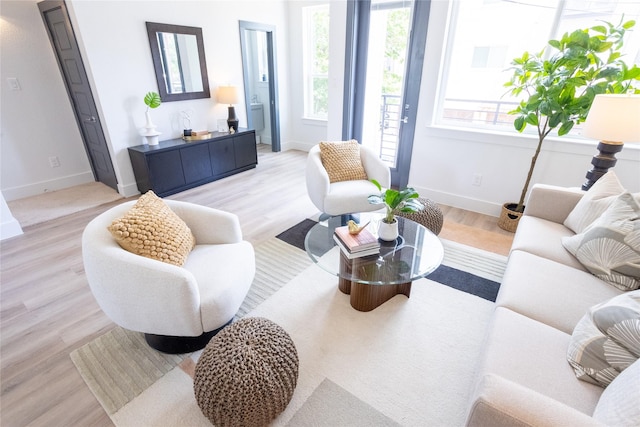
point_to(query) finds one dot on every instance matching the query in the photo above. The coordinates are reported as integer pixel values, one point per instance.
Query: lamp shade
(227, 95)
(614, 118)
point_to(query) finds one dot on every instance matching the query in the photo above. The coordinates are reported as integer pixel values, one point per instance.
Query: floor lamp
(229, 95)
(614, 120)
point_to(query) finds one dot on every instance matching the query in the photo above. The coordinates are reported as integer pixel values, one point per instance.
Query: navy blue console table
(176, 165)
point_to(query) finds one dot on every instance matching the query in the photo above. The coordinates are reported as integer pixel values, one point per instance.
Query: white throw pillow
(619, 404)
(594, 202)
(610, 247)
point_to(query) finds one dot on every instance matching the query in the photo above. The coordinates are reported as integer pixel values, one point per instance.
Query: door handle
(405, 119)
(91, 119)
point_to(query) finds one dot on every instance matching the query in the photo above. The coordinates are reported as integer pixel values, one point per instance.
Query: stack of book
(356, 245)
(198, 135)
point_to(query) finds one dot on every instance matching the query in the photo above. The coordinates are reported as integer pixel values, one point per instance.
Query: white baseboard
(461, 202)
(128, 190)
(294, 145)
(37, 188)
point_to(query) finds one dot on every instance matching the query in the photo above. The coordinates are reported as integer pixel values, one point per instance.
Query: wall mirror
(179, 61)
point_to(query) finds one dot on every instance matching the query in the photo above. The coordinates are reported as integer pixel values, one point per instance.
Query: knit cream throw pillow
(342, 160)
(151, 229)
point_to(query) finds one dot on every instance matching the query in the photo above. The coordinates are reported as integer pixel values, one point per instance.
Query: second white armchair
(345, 197)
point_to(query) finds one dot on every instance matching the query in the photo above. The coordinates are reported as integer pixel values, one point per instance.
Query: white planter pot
(388, 232)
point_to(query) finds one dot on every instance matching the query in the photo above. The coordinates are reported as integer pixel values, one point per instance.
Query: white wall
(37, 121)
(114, 42)
(305, 132)
(337, 37)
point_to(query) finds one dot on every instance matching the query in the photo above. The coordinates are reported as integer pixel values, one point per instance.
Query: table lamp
(614, 120)
(229, 95)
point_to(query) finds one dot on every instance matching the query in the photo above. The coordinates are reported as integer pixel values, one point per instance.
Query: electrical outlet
(477, 179)
(54, 161)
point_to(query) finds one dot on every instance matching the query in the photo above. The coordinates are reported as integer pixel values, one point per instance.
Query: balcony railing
(480, 112)
(470, 111)
(390, 116)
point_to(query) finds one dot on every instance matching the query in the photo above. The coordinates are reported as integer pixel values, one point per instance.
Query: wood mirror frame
(153, 28)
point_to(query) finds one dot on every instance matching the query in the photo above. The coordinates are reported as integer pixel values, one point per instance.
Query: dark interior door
(56, 20)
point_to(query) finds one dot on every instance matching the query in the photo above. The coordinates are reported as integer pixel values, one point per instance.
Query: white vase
(388, 232)
(149, 132)
(149, 121)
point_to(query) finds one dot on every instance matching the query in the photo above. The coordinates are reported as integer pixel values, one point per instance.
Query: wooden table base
(367, 297)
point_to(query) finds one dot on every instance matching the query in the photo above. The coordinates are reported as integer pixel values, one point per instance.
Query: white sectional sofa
(524, 377)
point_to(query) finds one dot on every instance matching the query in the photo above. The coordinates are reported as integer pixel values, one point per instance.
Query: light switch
(14, 84)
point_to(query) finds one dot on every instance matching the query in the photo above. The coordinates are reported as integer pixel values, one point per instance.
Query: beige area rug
(55, 204)
(408, 362)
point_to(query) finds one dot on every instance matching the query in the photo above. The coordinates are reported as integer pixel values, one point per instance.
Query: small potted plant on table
(395, 202)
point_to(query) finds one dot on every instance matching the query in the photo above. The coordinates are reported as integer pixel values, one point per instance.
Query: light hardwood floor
(47, 310)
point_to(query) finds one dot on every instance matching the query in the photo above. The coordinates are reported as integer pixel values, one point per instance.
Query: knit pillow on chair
(341, 159)
(151, 229)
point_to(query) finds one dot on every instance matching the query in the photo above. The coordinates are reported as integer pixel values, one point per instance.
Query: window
(485, 36)
(316, 61)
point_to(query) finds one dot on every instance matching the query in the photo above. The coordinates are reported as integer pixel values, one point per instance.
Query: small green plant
(559, 88)
(152, 100)
(396, 201)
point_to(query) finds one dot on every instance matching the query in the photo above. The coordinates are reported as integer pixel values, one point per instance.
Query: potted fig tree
(558, 88)
(394, 201)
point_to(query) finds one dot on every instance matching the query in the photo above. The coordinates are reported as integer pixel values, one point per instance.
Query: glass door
(388, 49)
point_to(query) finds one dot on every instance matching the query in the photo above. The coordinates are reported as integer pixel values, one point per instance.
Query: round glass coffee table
(374, 279)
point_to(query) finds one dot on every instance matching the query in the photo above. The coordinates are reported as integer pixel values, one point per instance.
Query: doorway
(385, 53)
(63, 40)
(260, 81)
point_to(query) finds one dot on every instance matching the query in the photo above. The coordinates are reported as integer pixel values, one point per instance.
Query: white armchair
(178, 308)
(345, 197)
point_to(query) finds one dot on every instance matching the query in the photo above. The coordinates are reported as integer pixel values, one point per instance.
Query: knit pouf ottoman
(246, 374)
(430, 217)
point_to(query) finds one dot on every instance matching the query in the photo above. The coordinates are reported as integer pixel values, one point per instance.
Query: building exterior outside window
(316, 61)
(484, 37)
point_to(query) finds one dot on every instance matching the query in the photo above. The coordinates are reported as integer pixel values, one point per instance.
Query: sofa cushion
(606, 341)
(151, 229)
(595, 201)
(610, 247)
(342, 161)
(619, 403)
(550, 292)
(533, 355)
(544, 238)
